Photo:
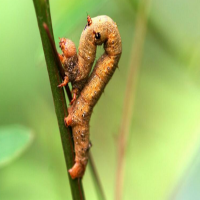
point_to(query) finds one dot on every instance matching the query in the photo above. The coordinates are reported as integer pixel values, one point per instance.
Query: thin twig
(96, 179)
(136, 55)
(159, 34)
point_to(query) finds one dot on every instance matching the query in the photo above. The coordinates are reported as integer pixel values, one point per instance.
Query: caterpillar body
(77, 68)
(100, 30)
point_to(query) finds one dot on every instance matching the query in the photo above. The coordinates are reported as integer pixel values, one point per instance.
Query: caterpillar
(99, 30)
(77, 67)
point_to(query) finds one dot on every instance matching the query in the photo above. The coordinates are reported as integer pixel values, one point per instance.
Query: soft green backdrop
(162, 157)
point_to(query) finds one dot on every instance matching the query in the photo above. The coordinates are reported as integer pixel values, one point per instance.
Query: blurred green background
(163, 154)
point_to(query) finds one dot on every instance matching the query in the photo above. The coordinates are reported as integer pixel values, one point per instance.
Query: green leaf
(14, 140)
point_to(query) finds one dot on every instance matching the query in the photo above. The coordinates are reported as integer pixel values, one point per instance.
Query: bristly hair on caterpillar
(99, 30)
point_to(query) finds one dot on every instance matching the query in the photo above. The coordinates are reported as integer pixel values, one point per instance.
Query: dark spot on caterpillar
(97, 36)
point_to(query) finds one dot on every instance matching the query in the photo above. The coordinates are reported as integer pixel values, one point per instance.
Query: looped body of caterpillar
(77, 68)
(99, 30)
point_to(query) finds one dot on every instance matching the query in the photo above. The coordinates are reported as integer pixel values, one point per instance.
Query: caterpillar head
(68, 47)
(68, 58)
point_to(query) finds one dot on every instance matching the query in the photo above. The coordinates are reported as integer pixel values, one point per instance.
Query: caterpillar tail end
(77, 171)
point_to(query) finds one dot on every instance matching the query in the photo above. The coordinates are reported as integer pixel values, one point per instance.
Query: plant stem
(136, 56)
(43, 17)
(95, 177)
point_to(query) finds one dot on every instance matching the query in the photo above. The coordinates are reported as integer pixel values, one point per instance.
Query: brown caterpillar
(99, 30)
(77, 68)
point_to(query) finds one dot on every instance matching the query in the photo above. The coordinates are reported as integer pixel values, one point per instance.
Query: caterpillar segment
(69, 60)
(78, 67)
(102, 30)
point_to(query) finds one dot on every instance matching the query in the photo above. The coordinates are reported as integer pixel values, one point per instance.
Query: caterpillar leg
(73, 99)
(61, 58)
(65, 81)
(75, 93)
(68, 119)
(77, 171)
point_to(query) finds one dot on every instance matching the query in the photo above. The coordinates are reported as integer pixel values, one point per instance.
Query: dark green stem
(43, 17)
